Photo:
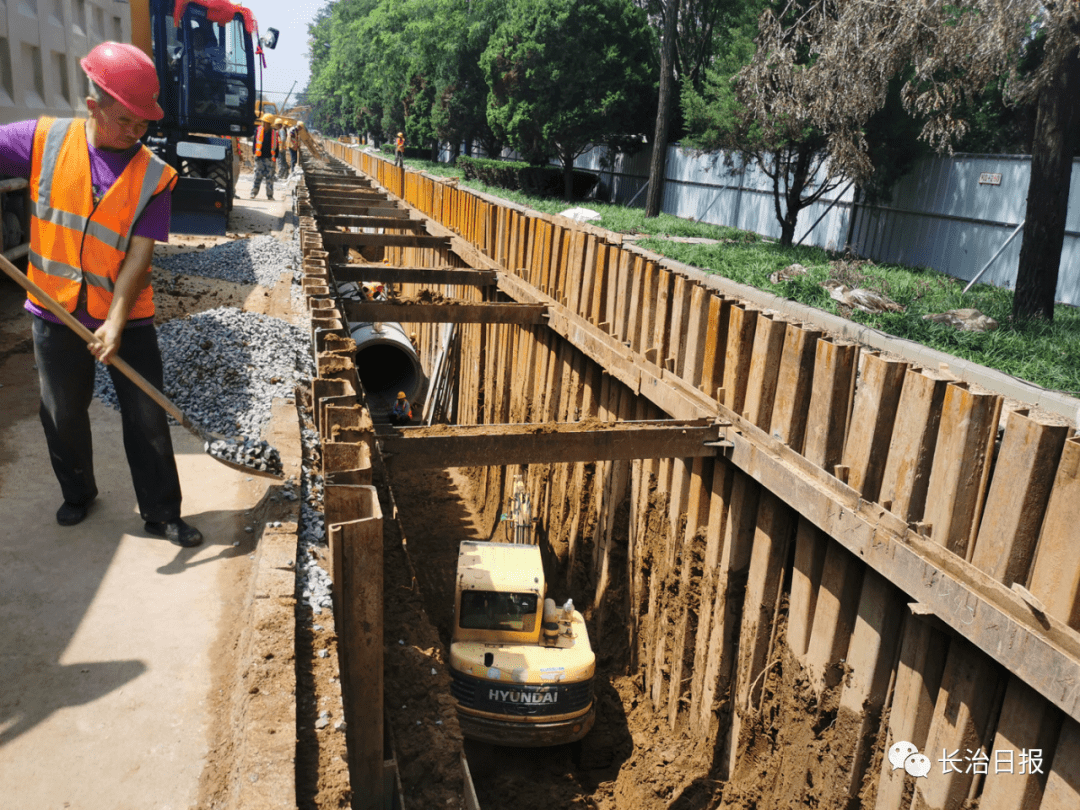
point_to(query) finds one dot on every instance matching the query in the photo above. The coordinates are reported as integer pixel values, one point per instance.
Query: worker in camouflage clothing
(264, 148)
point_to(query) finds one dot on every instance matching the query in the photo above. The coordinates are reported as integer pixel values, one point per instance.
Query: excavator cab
(206, 62)
(204, 51)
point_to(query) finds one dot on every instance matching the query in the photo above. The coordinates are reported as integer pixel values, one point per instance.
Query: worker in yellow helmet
(264, 148)
(282, 161)
(399, 150)
(401, 413)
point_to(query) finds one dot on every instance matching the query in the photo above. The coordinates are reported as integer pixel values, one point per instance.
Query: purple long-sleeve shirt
(16, 153)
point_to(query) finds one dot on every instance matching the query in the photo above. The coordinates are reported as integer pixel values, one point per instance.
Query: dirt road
(119, 652)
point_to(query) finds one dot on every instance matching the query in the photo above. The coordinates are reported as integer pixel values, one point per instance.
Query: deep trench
(747, 657)
(437, 513)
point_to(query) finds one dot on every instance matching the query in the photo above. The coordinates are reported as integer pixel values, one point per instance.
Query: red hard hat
(128, 75)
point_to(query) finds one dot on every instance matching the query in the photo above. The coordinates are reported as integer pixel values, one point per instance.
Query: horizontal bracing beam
(376, 221)
(328, 214)
(323, 178)
(548, 443)
(341, 196)
(414, 275)
(389, 312)
(1039, 649)
(339, 220)
(384, 240)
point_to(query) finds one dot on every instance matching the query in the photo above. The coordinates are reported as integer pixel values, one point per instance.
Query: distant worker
(401, 413)
(264, 148)
(99, 200)
(282, 152)
(294, 145)
(399, 150)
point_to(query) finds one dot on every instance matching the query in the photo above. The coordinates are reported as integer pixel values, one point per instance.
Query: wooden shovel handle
(70, 320)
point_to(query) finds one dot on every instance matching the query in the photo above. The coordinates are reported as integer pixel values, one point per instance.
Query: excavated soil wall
(878, 554)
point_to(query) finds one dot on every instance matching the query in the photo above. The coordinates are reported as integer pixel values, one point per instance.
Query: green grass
(1046, 354)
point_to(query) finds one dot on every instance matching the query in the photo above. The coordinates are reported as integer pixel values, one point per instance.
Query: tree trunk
(655, 196)
(568, 177)
(1052, 152)
(797, 173)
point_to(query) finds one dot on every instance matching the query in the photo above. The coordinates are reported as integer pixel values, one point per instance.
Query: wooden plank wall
(732, 592)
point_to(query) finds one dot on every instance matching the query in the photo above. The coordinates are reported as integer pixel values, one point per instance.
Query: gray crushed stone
(257, 260)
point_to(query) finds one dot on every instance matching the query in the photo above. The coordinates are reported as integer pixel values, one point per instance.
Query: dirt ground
(246, 699)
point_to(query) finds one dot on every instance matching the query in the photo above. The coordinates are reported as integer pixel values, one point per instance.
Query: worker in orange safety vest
(399, 150)
(264, 147)
(99, 201)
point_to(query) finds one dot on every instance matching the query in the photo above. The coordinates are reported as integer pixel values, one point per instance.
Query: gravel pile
(223, 368)
(313, 582)
(255, 454)
(258, 260)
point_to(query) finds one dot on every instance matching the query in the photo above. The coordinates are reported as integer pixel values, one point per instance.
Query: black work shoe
(177, 532)
(70, 513)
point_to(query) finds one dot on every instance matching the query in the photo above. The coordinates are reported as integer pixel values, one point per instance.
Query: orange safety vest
(75, 240)
(400, 144)
(260, 141)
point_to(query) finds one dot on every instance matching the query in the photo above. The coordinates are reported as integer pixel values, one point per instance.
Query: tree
(564, 74)
(452, 38)
(791, 153)
(953, 53)
(686, 46)
(658, 159)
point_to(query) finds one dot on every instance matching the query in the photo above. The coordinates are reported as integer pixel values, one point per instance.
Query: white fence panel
(941, 216)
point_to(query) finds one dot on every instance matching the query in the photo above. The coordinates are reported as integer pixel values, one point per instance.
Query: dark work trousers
(66, 372)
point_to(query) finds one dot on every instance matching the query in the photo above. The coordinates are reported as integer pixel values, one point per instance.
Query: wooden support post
(697, 516)
(740, 344)
(830, 402)
(637, 291)
(680, 316)
(792, 398)
(870, 656)
(729, 591)
(622, 302)
(775, 525)
(1016, 503)
(1055, 576)
(360, 635)
(918, 677)
(962, 716)
(810, 546)
(697, 327)
(1063, 782)
(715, 344)
(719, 500)
(961, 466)
(834, 615)
(872, 418)
(661, 304)
(764, 371)
(1027, 723)
(911, 454)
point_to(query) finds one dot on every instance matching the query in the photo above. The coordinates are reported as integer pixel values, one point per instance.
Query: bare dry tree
(828, 63)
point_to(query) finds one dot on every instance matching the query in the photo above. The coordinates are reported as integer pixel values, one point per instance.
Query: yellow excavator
(522, 667)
